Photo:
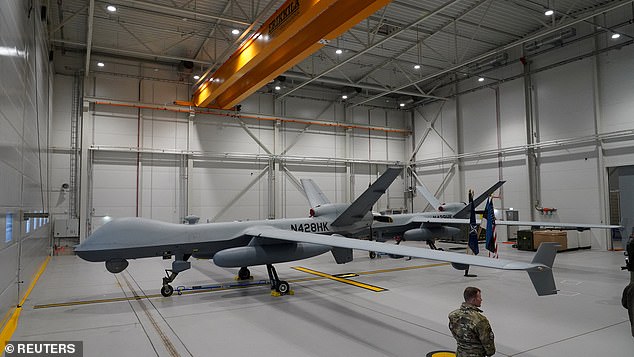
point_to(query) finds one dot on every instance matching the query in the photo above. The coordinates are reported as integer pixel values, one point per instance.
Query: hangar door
(621, 182)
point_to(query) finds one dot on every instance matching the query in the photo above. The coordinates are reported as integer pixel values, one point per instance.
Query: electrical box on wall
(66, 228)
(511, 231)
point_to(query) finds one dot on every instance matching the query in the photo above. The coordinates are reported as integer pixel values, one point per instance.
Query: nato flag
(473, 228)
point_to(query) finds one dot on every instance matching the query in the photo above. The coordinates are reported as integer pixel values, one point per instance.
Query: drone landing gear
(179, 265)
(167, 289)
(432, 245)
(278, 287)
(244, 274)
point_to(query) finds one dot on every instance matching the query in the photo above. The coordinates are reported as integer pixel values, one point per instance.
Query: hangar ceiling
(409, 49)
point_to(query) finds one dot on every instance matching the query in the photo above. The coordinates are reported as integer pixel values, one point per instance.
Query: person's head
(473, 296)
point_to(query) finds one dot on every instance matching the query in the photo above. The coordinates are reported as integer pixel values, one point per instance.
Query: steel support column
(604, 205)
(531, 139)
(91, 12)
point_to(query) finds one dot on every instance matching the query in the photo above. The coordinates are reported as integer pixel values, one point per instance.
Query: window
(9, 228)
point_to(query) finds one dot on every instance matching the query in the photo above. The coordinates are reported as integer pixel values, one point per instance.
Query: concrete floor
(326, 317)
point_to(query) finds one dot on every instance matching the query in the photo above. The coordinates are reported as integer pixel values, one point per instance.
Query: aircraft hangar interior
(295, 177)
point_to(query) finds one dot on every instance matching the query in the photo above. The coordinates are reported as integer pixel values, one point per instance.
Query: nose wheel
(180, 264)
(167, 290)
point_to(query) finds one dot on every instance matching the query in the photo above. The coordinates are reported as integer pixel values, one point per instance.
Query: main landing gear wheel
(278, 287)
(167, 290)
(372, 255)
(283, 288)
(244, 273)
(432, 245)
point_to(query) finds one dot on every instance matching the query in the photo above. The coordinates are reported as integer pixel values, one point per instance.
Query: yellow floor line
(341, 280)
(86, 302)
(318, 277)
(401, 269)
(6, 317)
(138, 297)
(9, 328)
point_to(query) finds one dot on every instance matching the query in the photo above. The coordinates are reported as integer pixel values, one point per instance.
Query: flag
(473, 227)
(491, 236)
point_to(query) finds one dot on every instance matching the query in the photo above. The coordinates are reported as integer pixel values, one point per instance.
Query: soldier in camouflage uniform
(628, 293)
(470, 327)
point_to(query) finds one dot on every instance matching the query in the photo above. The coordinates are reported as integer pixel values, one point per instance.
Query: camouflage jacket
(628, 302)
(472, 332)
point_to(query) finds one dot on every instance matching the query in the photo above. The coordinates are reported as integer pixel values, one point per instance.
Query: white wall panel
(164, 131)
(442, 141)
(564, 98)
(360, 145)
(61, 116)
(10, 144)
(477, 112)
(616, 90)
(160, 194)
(115, 127)
(119, 88)
(218, 136)
(260, 103)
(569, 183)
(160, 92)
(114, 185)
(512, 114)
(311, 109)
(315, 143)
(10, 193)
(395, 148)
(378, 148)
(8, 280)
(217, 185)
(24, 123)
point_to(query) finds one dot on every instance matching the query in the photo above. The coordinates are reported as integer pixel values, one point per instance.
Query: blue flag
(491, 237)
(473, 228)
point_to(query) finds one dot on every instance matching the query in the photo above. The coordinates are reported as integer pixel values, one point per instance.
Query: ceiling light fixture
(277, 82)
(339, 51)
(549, 12)
(6, 51)
(615, 36)
(111, 8)
(417, 66)
(405, 100)
(235, 31)
(196, 77)
(481, 79)
(100, 64)
(349, 92)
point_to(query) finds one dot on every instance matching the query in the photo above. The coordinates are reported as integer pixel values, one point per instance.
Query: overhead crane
(295, 31)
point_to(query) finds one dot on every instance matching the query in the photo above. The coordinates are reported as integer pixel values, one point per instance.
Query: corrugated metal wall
(24, 124)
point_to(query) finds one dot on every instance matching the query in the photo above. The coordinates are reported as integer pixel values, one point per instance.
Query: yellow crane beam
(296, 30)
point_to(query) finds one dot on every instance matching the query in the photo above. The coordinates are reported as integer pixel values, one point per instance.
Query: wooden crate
(550, 236)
